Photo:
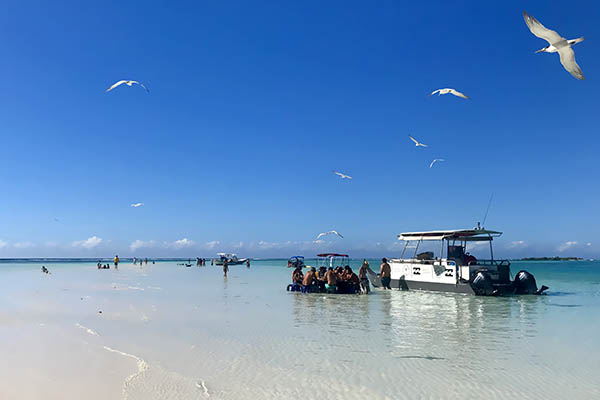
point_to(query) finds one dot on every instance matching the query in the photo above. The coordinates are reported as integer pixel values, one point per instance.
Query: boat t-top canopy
(467, 235)
(332, 255)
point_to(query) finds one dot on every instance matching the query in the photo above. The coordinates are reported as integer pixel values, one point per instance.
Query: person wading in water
(385, 273)
(225, 268)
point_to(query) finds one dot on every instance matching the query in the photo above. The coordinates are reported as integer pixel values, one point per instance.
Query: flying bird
(436, 160)
(329, 233)
(128, 83)
(136, 205)
(343, 176)
(417, 143)
(451, 91)
(557, 43)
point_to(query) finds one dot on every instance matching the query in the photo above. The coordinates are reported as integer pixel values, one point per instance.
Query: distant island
(551, 259)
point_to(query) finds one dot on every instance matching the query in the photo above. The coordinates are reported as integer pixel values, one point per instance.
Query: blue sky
(253, 104)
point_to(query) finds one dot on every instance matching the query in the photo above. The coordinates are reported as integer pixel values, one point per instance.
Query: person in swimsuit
(331, 279)
(385, 273)
(363, 277)
(297, 276)
(225, 268)
(116, 261)
(310, 276)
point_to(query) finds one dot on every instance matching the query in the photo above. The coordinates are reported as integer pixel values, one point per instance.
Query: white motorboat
(231, 259)
(455, 270)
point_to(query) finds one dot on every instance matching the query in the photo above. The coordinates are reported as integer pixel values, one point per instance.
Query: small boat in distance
(231, 259)
(459, 271)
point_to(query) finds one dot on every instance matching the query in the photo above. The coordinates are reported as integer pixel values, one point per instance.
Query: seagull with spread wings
(136, 205)
(329, 233)
(436, 160)
(451, 91)
(343, 176)
(557, 44)
(128, 83)
(417, 143)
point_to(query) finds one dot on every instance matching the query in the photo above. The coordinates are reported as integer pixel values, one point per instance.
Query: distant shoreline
(551, 259)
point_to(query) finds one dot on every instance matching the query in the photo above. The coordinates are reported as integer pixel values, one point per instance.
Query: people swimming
(330, 280)
(45, 270)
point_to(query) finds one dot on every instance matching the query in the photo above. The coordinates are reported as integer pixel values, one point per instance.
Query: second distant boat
(231, 259)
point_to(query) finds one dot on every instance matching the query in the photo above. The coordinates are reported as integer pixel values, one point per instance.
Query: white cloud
(181, 243)
(23, 245)
(212, 244)
(3, 244)
(89, 243)
(566, 245)
(588, 244)
(268, 245)
(142, 244)
(517, 243)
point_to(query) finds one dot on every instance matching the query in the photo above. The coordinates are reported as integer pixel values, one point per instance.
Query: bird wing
(337, 233)
(567, 59)
(434, 92)
(459, 94)
(115, 85)
(338, 173)
(320, 235)
(433, 162)
(142, 85)
(414, 140)
(540, 30)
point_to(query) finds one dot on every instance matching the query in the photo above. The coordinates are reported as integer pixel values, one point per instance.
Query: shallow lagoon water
(170, 332)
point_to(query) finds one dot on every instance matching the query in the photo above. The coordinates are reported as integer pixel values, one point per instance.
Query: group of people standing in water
(332, 280)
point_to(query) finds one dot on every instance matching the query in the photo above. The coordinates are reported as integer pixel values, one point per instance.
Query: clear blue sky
(253, 104)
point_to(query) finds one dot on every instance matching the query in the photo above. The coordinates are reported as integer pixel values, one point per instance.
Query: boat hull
(238, 262)
(404, 284)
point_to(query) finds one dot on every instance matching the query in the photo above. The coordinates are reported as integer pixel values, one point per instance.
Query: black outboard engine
(482, 283)
(524, 283)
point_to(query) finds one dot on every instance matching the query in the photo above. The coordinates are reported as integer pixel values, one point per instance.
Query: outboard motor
(482, 283)
(524, 283)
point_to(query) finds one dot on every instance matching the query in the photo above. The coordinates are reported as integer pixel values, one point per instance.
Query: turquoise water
(167, 331)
